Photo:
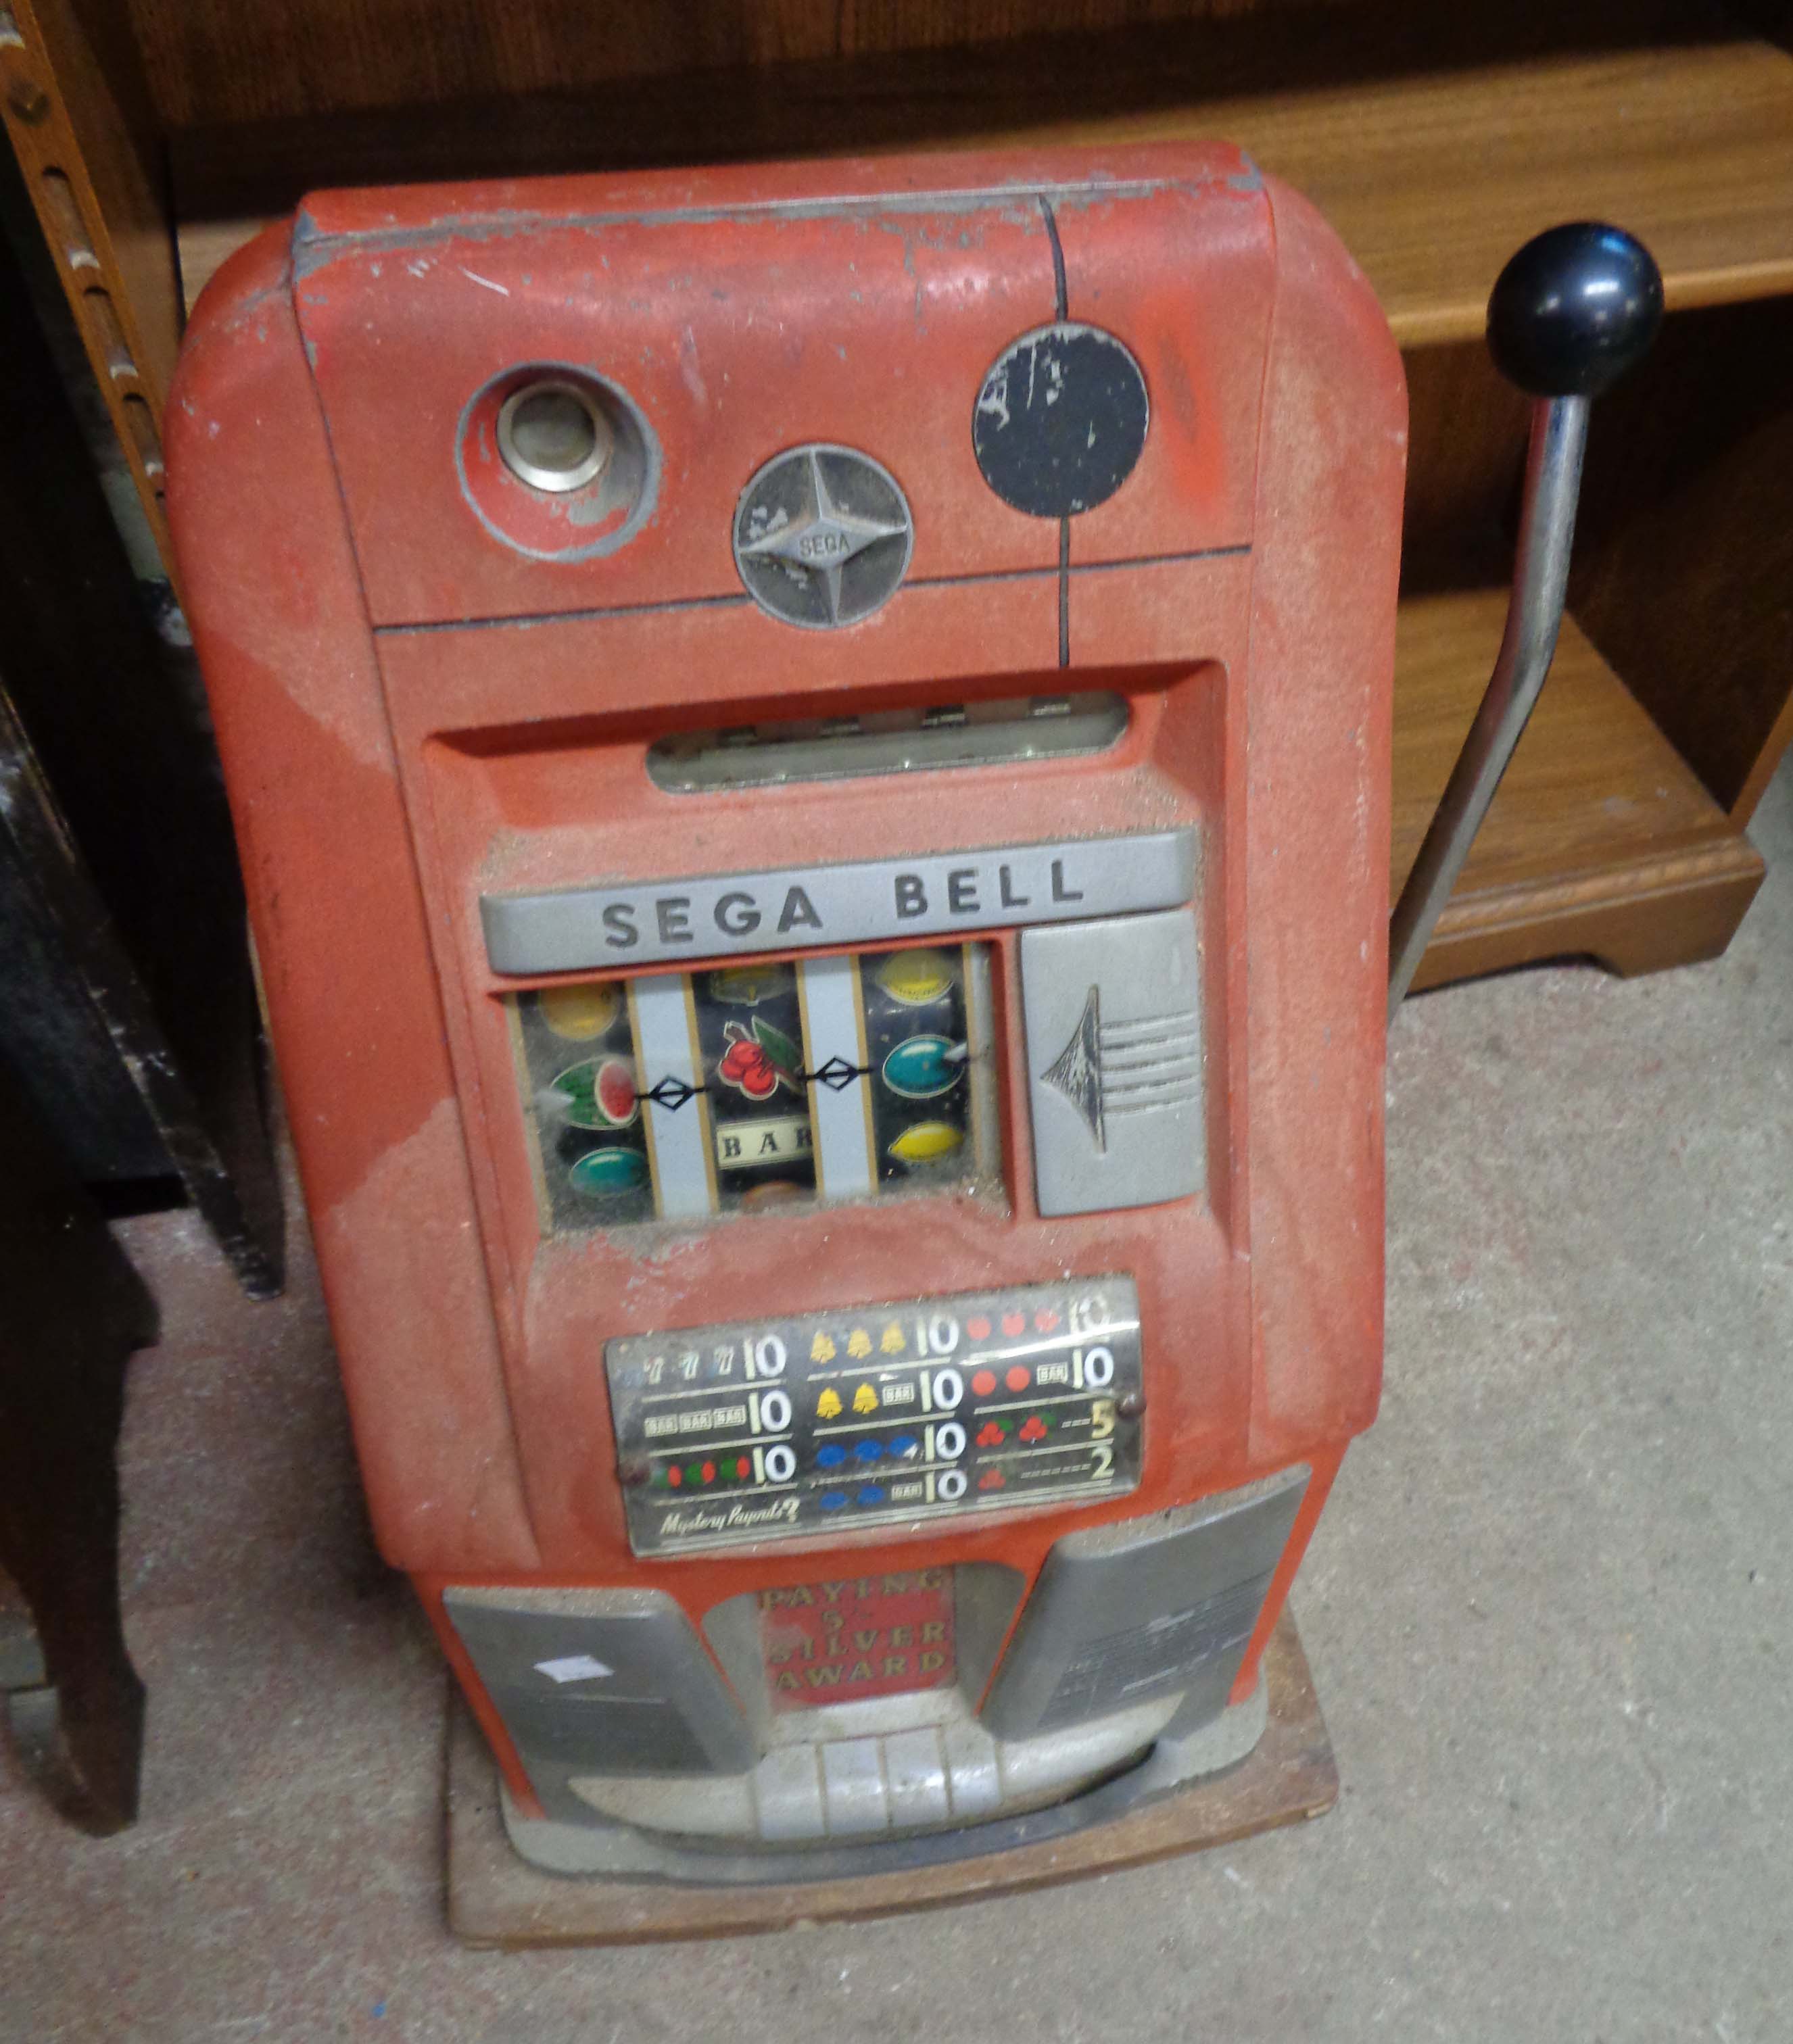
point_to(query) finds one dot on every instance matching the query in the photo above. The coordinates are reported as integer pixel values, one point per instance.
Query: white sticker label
(573, 1668)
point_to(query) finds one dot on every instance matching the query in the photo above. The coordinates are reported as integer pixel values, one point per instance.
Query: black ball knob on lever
(1577, 307)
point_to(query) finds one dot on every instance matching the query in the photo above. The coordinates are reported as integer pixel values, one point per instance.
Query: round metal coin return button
(553, 436)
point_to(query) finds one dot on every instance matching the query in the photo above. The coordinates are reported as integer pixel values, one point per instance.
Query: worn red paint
(383, 775)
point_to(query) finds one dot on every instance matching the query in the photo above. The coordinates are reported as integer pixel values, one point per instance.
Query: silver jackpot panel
(829, 1423)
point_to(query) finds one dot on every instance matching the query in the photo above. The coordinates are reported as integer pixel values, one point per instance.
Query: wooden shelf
(1432, 183)
(1432, 180)
(1436, 139)
(1601, 841)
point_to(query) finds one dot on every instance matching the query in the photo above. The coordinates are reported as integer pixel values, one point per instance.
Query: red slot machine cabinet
(811, 745)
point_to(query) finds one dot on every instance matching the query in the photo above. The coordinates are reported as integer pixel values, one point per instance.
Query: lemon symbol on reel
(579, 1013)
(927, 1141)
(916, 978)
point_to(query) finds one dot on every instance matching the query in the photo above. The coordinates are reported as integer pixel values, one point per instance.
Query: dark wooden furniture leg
(75, 1310)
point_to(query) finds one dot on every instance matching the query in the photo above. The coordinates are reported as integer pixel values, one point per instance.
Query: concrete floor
(1549, 1613)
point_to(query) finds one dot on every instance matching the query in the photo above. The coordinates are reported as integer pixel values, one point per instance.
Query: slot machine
(810, 746)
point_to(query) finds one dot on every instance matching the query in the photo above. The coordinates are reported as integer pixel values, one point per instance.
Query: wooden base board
(496, 1899)
(1601, 842)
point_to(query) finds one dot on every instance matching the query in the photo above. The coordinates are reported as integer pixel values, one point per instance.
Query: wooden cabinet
(157, 136)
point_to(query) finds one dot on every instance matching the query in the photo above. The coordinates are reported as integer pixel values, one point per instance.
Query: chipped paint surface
(657, 297)
(690, 367)
(313, 247)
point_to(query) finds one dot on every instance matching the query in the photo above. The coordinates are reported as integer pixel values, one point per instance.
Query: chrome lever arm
(1573, 310)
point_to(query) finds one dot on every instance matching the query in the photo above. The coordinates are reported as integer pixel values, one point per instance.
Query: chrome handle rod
(1534, 617)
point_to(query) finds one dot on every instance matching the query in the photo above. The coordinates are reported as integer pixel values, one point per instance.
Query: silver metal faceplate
(1112, 1012)
(621, 1673)
(575, 928)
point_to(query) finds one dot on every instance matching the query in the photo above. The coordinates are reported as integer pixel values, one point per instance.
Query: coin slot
(1009, 731)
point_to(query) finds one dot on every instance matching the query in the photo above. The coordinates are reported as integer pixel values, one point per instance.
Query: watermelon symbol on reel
(599, 1093)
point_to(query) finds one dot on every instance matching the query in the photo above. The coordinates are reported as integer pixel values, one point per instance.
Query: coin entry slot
(1008, 731)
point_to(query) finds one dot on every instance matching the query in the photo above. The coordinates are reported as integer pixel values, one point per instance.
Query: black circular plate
(1061, 421)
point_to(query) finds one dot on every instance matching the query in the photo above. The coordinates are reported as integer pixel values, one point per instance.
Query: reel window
(681, 1096)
